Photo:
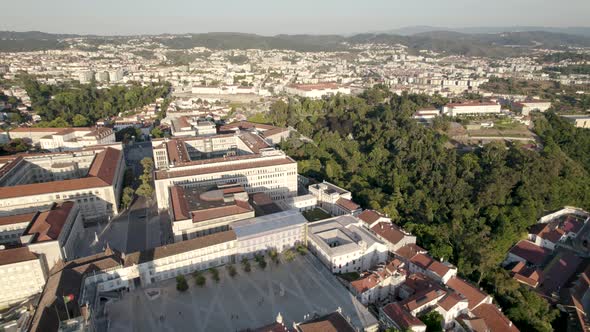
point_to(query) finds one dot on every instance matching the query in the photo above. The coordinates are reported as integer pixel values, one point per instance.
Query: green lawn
(315, 214)
(259, 118)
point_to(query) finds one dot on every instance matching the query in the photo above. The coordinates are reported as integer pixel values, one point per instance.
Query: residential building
(379, 284)
(394, 316)
(391, 234)
(441, 272)
(343, 245)
(333, 199)
(528, 253)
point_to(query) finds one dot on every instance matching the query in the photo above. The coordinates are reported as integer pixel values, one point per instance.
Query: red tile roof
(17, 219)
(402, 318)
(494, 318)
(220, 212)
(48, 224)
(468, 291)
(347, 204)
(410, 250)
(450, 301)
(333, 322)
(369, 216)
(179, 204)
(530, 252)
(16, 255)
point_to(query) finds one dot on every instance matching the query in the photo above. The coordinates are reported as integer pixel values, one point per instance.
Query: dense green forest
(467, 207)
(82, 105)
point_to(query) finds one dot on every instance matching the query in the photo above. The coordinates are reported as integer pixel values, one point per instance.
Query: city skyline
(270, 18)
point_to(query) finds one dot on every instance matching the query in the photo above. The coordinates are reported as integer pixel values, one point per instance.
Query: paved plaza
(249, 300)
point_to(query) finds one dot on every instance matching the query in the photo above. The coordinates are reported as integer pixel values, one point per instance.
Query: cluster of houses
(554, 261)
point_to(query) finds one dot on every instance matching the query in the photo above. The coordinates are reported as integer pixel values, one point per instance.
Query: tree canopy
(466, 207)
(83, 104)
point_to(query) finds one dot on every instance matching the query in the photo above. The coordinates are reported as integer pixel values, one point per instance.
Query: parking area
(248, 300)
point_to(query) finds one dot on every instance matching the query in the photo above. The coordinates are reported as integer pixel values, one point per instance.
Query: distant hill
(502, 44)
(412, 30)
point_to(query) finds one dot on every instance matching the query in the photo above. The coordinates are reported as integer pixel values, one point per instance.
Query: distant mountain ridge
(412, 30)
(503, 44)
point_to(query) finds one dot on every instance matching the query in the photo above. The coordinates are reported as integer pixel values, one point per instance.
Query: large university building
(37, 241)
(244, 159)
(91, 177)
(64, 139)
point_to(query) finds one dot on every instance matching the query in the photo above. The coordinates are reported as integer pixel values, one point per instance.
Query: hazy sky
(270, 17)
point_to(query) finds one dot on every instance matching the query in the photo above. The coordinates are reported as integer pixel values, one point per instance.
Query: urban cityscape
(376, 179)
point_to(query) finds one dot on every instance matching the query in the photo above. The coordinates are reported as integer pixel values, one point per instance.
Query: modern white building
(471, 109)
(579, 121)
(343, 245)
(316, 91)
(278, 231)
(526, 107)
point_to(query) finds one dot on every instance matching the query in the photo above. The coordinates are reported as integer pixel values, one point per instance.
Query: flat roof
(268, 223)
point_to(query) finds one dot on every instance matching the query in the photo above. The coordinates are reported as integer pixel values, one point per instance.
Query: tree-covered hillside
(469, 208)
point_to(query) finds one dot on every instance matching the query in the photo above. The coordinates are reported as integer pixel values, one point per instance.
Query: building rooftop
(494, 318)
(340, 235)
(268, 223)
(179, 247)
(401, 317)
(48, 224)
(16, 255)
(468, 291)
(101, 174)
(530, 252)
(204, 204)
(333, 322)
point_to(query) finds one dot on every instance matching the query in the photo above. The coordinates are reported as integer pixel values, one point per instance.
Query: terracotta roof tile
(494, 318)
(472, 294)
(48, 224)
(16, 255)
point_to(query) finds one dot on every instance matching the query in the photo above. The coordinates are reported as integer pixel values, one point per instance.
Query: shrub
(181, 284)
(214, 274)
(200, 279)
(289, 255)
(302, 250)
(231, 270)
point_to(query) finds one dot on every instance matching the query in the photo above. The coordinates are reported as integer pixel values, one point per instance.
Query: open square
(249, 300)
